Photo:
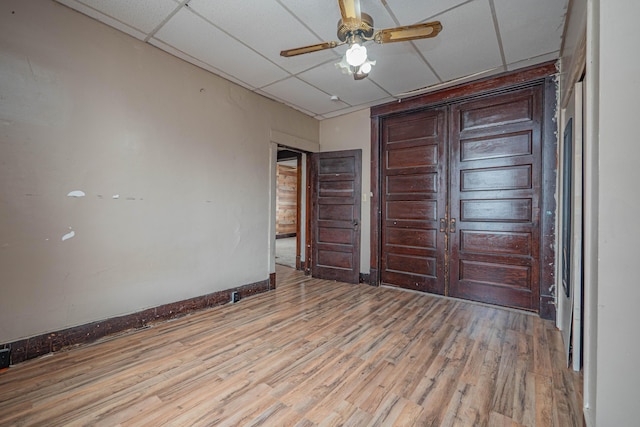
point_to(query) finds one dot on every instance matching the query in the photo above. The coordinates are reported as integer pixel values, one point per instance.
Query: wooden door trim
(376, 213)
(308, 214)
(548, 198)
(298, 208)
(541, 74)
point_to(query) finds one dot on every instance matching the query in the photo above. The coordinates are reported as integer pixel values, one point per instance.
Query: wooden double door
(460, 192)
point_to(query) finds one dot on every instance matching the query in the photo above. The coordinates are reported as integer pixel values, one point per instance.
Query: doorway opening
(290, 207)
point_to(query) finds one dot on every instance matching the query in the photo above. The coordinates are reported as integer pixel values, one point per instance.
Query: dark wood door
(413, 200)
(495, 199)
(335, 194)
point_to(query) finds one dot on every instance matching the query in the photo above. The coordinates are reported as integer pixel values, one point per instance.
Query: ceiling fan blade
(307, 49)
(409, 32)
(350, 10)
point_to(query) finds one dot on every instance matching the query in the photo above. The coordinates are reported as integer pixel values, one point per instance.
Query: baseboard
(547, 307)
(587, 418)
(285, 235)
(40, 345)
(373, 277)
(364, 278)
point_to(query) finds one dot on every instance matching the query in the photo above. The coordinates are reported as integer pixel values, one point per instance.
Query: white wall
(350, 132)
(84, 107)
(618, 228)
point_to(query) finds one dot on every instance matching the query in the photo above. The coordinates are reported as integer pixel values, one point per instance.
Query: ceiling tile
(399, 68)
(143, 15)
(178, 53)
(295, 91)
(331, 80)
(530, 28)
(266, 27)
(320, 16)
(412, 11)
(194, 36)
(467, 43)
(297, 107)
(354, 109)
(551, 56)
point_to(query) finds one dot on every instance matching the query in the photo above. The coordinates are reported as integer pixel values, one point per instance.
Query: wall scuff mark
(69, 235)
(76, 193)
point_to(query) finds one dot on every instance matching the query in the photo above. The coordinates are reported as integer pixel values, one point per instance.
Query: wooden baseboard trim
(52, 342)
(547, 307)
(285, 235)
(373, 277)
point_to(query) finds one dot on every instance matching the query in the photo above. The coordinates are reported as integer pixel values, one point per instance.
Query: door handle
(443, 225)
(452, 226)
(355, 224)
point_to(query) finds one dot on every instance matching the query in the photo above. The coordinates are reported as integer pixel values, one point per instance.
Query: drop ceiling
(241, 41)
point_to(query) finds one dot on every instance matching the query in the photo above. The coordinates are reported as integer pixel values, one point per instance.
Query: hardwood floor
(310, 353)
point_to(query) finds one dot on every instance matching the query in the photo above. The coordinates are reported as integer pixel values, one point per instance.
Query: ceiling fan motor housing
(362, 27)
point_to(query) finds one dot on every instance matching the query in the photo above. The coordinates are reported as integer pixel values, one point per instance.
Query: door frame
(539, 74)
(298, 155)
(301, 204)
(301, 145)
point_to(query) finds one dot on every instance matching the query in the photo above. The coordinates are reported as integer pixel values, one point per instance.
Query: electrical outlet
(235, 297)
(4, 358)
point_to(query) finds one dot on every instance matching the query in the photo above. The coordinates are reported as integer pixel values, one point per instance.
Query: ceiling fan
(355, 28)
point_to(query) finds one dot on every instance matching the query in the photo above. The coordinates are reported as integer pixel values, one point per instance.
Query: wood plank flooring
(311, 353)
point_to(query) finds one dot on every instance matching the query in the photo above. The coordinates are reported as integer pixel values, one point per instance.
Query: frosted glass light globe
(356, 55)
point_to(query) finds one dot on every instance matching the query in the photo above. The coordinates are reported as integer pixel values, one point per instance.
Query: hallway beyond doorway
(286, 251)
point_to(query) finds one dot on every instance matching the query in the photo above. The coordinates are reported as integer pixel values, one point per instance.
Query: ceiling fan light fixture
(356, 55)
(359, 72)
(363, 71)
(366, 67)
(355, 28)
(344, 66)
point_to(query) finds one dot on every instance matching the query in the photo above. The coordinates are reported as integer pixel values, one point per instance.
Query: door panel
(495, 157)
(413, 200)
(335, 194)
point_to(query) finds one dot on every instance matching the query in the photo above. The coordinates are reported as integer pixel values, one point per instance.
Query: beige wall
(618, 232)
(84, 107)
(350, 132)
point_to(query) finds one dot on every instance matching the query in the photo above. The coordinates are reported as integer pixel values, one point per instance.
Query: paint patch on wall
(69, 235)
(115, 196)
(76, 193)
